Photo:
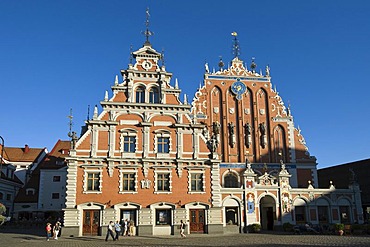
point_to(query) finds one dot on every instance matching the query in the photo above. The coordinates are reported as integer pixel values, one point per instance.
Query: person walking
(110, 231)
(117, 228)
(56, 230)
(182, 229)
(48, 231)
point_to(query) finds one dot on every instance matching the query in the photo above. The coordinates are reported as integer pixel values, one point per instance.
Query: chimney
(26, 148)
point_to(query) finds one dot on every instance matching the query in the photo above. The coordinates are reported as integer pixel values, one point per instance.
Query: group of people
(125, 228)
(53, 231)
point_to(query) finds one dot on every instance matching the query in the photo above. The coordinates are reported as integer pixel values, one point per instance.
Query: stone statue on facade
(248, 132)
(262, 127)
(232, 134)
(74, 139)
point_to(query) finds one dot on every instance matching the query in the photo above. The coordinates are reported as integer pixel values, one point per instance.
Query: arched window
(153, 95)
(140, 94)
(231, 181)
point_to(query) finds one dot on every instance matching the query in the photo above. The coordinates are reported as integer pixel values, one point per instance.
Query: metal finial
(70, 116)
(147, 32)
(253, 65)
(221, 63)
(131, 54)
(88, 112)
(236, 48)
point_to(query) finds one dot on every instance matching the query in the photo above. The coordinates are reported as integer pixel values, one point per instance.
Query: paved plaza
(29, 239)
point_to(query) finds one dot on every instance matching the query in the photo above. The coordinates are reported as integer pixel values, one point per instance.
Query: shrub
(254, 227)
(339, 226)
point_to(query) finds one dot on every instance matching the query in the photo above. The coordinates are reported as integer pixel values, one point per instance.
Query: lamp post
(2, 156)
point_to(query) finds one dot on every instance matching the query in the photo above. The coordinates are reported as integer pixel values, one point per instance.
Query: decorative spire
(116, 80)
(185, 99)
(236, 48)
(95, 112)
(106, 96)
(176, 84)
(268, 71)
(147, 32)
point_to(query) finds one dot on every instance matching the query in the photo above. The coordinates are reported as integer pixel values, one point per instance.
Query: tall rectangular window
(129, 143)
(128, 182)
(163, 182)
(140, 95)
(93, 181)
(163, 145)
(197, 182)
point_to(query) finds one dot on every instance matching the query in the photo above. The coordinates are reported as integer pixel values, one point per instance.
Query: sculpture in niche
(216, 128)
(248, 132)
(262, 127)
(232, 134)
(214, 141)
(286, 202)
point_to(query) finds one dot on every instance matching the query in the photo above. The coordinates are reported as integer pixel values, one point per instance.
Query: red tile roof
(25, 154)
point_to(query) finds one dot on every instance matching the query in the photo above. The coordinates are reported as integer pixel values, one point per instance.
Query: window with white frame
(92, 181)
(140, 94)
(163, 181)
(128, 181)
(153, 95)
(163, 142)
(128, 141)
(196, 181)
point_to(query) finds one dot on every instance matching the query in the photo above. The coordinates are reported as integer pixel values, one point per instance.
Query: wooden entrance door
(196, 221)
(91, 222)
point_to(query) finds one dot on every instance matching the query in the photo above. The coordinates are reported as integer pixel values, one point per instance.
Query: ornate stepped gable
(253, 119)
(145, 105)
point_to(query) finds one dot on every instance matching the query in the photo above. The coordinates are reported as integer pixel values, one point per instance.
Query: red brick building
(230, 158)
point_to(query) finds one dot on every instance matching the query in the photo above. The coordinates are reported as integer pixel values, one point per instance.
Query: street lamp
(2, 156)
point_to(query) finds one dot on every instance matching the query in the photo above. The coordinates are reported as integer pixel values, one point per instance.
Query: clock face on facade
(238, 88)
(146, 65)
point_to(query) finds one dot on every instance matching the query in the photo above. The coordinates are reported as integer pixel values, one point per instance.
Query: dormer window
(140, 94)
(153, 95)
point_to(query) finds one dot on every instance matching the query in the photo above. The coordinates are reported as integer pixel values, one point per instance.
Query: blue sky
(57, 55)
